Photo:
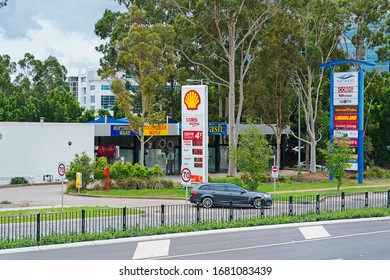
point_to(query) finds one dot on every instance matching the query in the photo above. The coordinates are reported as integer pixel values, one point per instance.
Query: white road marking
(314, 232)
(272, 245)
(152, 249)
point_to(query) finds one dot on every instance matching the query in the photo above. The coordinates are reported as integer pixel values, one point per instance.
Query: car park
(213, 194)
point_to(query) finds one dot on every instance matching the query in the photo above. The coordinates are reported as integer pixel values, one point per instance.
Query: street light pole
(299, 125)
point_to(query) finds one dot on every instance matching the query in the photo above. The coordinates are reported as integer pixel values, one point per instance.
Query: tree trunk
(232, 170)
(142, 149)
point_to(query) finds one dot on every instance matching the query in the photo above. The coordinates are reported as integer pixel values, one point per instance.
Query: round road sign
(185, 175)
(61, 169)
(274, 169)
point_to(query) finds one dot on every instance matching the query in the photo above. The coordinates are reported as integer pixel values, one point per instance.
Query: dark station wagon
(210, 194)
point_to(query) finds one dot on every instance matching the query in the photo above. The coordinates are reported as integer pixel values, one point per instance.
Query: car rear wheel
(258, 203)
(207, 202)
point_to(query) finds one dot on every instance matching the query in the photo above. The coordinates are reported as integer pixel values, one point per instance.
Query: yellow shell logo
(192, 100)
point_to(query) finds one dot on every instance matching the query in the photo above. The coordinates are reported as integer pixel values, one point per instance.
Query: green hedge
(18, 180)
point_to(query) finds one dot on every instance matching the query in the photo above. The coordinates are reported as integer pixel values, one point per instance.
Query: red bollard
(107, 174)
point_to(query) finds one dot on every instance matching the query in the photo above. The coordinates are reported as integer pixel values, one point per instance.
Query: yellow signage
(150, 130)
(79, 180)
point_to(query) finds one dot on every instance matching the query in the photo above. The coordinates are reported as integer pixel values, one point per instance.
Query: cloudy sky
(61, 28)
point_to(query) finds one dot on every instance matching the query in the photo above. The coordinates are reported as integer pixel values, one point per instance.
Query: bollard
(318, 204)
(124, 219)
(107, 174)
(162, 214)
(38, 227)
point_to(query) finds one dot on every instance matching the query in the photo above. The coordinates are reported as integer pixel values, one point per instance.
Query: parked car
(210, 194)
(297, 149)
(318, 166)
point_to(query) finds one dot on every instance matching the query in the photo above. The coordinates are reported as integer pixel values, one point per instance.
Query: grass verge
(54, 213)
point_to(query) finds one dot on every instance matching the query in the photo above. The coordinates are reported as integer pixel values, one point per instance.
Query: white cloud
(73, 49)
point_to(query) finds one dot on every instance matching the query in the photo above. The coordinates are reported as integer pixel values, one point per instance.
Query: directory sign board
(345, 106)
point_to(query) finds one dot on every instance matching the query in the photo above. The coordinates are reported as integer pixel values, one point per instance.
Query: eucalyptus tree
(3, 3)
(7, 69)
(58, 106)
(22, 107)
(40, 77)
(144, 51)
(379, 122)
(368, 30)
(39, 90)
(3, 107)
(226, 33)
(322, 23)
(367, 27)
(269, 96)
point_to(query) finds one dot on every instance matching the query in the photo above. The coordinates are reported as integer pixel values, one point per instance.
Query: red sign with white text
(346, 125)
(192, 135)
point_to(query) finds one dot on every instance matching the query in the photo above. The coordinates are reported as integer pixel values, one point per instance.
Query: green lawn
(93, 211)
(282, 188)
(176, 192)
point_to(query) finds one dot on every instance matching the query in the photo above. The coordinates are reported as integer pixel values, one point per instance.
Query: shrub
(140, 171)
(100, 164)
(81, 163)
(158, 183)
(156, 171)
(70, 186)
(376, 173)
(130, 183)
(117, 170)
(18, 180)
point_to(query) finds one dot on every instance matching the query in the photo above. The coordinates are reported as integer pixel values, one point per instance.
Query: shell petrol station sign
(194, 107)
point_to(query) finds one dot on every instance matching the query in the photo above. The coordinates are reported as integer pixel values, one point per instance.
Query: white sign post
(274, 174)
(194, 104)
(61, 171)
(186, 180)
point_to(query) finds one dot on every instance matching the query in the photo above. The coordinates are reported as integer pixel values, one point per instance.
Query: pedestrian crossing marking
(152, 249)
(314, 232)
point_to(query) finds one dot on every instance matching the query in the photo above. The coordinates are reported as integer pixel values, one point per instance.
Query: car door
(236, 194)
(219, 193)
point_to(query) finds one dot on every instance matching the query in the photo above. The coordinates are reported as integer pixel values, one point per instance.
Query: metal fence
(37, 226)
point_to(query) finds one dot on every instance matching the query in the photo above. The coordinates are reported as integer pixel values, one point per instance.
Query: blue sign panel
(217, 128)
(121, 130)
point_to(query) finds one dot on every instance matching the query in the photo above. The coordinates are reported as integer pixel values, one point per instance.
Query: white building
(95, 93)
(73, 82)
(35, 150)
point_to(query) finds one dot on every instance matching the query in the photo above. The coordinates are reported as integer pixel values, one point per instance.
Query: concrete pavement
(51, 196)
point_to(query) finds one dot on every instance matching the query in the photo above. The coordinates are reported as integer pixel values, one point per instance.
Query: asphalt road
(363, 239)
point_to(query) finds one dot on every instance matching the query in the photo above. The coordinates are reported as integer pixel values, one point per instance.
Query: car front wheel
(258, 203)
(207, 202)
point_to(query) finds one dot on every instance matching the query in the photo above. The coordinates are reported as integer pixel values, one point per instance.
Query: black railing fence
(36, 226)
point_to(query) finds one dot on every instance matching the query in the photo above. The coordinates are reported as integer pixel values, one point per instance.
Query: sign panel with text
(194, 131)
(345, 106)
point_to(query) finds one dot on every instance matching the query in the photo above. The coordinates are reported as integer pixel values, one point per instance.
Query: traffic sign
(61, 169)
(185, 175)
(275, 171)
